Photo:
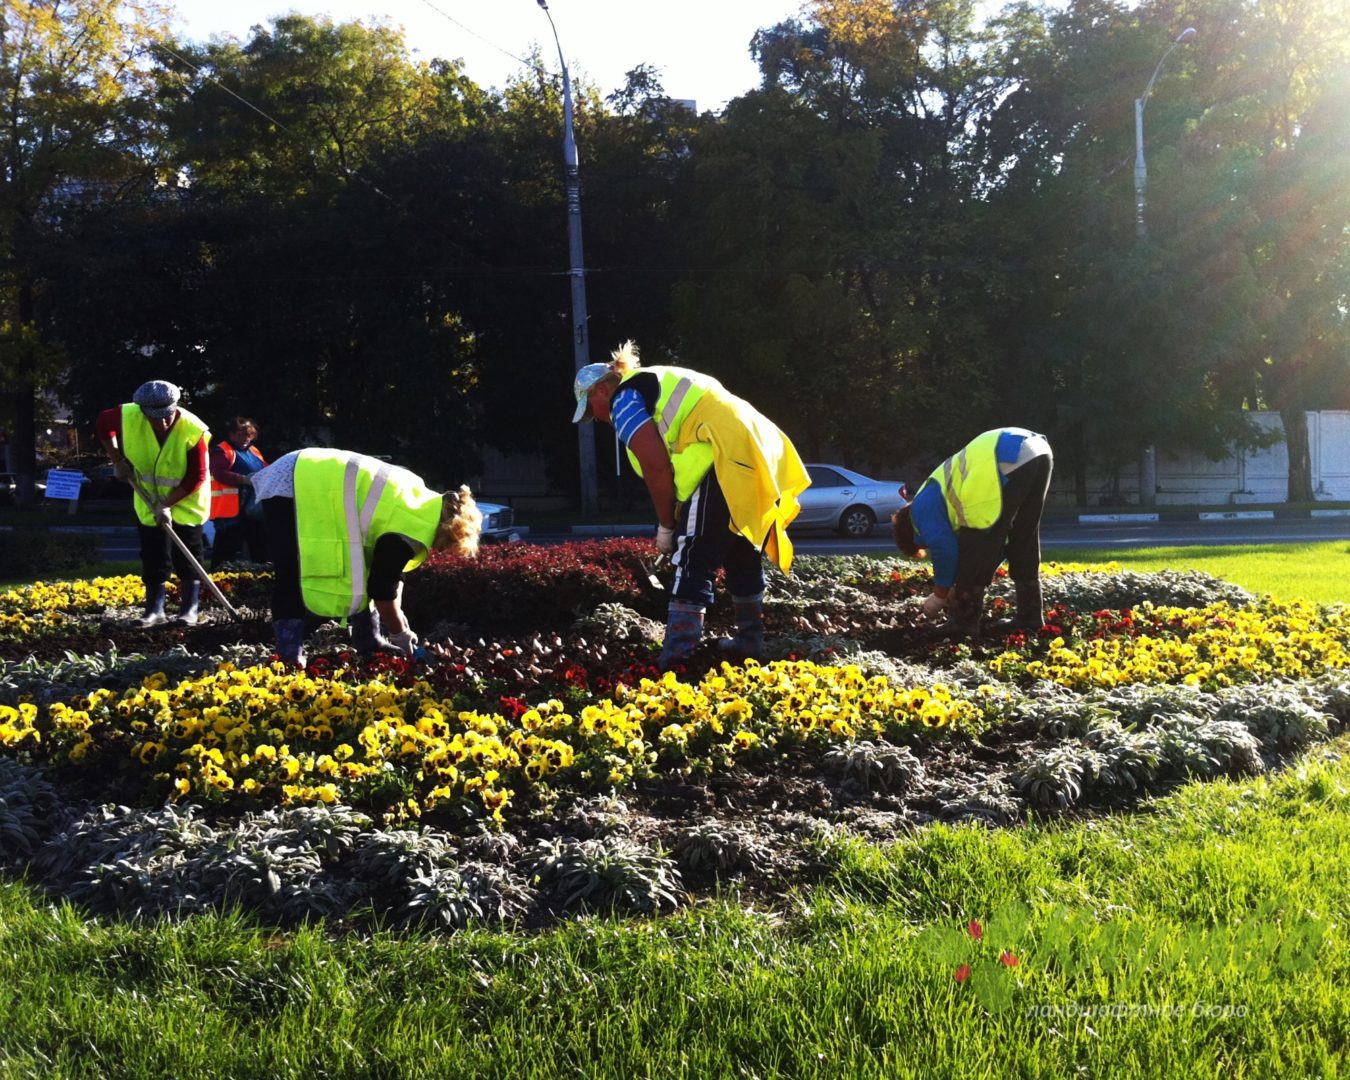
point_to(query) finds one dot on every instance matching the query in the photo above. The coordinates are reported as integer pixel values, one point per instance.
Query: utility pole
(590, 490)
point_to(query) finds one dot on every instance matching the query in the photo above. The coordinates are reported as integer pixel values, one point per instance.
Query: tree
(75, 88)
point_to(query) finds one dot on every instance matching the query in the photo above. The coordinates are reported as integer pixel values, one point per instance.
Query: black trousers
(1015, 536)
(284, 544)
(704, 543)
(234, 534)
(158, 552)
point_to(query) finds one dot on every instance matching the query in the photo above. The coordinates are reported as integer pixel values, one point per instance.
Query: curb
(1196, 515)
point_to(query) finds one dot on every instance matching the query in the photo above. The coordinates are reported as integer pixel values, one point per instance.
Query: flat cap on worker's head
(586, 378)
(157, 398)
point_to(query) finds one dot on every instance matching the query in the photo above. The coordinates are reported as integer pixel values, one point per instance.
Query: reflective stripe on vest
(225, 500)
(394, 501)
(161, 468)
(970, 484)
(681, 390)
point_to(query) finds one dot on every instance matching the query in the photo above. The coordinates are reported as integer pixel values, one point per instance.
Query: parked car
(9, 488)
(498, 523)
(847, 501)
(103, 484)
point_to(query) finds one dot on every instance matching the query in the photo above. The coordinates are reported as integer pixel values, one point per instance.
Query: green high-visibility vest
(344, 502)
(160, 469)
(970, 484)
(681, 390)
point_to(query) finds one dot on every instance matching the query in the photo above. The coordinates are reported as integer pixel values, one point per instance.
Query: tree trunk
(24, 436)
(1080, 465)
(1300, 458)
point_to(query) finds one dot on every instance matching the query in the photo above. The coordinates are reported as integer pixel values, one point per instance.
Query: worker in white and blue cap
(157, 443)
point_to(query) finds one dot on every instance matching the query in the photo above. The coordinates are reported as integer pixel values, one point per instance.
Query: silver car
(847, 501)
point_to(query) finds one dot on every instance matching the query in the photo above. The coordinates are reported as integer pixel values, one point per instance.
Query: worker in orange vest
(234, 511)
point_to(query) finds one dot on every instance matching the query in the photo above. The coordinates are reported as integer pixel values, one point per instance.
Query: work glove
(245, 479)
(934, 604)
(163, 516)
(405, 642)
(122, 469)
(665, 540)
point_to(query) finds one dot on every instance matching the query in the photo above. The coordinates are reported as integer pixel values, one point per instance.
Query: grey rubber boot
(187, 611)
(367, 632)
(154, 607)
(290, 641)
(684, 630)
(965, 605)
(748, 644)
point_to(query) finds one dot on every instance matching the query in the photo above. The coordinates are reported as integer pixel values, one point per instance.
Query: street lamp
(1148, 461)
(580, 345)
(1140, 169)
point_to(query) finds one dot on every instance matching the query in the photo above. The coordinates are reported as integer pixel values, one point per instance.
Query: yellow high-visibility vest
(704, 426)
(160, 469)
(681, 390)
(970, 484)
(344, 502)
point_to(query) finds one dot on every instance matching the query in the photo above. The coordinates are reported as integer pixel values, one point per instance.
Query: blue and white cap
(157, 398)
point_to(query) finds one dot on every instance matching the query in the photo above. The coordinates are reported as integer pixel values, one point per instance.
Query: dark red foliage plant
(519, 586)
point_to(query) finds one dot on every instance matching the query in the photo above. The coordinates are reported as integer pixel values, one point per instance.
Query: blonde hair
(461, 522)
(624, 360)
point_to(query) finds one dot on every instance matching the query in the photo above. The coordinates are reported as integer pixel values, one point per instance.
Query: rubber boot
(684, 629)
(154, 606)
(290, 641)
(965, 605)
(187, 611)
(1030, 605)
(748, 644)
(366, 633)
(1030, 610)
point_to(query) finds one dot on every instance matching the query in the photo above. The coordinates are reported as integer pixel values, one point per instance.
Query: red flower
(976, 930)
(1008, 959)
(963, 973)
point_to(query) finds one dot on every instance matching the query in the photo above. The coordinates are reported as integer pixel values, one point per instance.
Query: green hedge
(27, 553)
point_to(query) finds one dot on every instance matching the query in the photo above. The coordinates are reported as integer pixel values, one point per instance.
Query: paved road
(1121, 535)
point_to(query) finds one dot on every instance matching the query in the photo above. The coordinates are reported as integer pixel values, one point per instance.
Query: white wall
(1243, 477)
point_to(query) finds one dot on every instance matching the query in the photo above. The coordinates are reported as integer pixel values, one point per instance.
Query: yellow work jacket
(970, 483)
(704, 426)
(344, 502)
(160, 468)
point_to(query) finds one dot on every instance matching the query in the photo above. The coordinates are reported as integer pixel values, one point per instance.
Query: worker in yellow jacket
(342, 529)
(723, 479)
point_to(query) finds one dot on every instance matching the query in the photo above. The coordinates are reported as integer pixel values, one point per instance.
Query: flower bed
(529, 767)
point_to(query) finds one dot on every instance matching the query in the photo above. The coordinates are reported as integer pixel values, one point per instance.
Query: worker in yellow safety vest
(162, 446)
(723, 480)
(342, 529)
(980, 506)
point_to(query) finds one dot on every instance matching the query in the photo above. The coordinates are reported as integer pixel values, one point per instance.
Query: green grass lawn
(1317, 571)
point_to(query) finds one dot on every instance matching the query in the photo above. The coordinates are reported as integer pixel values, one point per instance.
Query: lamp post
(1148, 461)
(1140, 169)
(577, 273)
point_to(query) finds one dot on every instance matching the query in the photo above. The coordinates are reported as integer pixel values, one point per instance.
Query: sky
(700, 47)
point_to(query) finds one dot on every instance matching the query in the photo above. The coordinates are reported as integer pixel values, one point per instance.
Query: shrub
(29, 553)
(510, 585)
(609, 873)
